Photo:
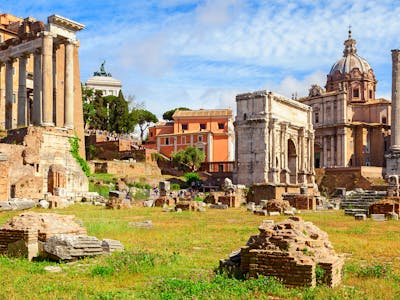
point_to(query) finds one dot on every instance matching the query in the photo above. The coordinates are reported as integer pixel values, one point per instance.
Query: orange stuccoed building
(210, 131)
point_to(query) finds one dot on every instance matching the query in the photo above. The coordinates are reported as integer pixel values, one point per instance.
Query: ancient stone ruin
(295, 252)
(53, 236)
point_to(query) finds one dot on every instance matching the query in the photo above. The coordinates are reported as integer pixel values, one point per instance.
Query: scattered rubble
(296, 252)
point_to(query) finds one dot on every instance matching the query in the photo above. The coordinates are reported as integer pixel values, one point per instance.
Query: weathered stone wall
(29, 163)
(385, 206)
(4, 179)
(268, 192)
(231, 201)
(126, 168)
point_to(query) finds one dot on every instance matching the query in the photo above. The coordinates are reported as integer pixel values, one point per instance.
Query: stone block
(392, 216)
(143, 224)
(274, 213)
(378, 217)
(110, 246)
(260, 212)
(219, 206)
(43, 204)
(360, 217)
(4, 206)
(70, 247)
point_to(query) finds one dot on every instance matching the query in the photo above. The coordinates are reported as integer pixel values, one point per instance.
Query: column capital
(11, 60)
(48, 34)
(70, 42)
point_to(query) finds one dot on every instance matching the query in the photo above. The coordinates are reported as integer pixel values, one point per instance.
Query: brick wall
(299, 201)
(19, 243)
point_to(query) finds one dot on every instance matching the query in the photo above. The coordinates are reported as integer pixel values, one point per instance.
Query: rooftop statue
(102, 71)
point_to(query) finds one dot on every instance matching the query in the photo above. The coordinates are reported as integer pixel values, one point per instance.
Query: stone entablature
(274, 140)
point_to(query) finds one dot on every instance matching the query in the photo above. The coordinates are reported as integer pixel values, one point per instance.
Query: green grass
(176, 259)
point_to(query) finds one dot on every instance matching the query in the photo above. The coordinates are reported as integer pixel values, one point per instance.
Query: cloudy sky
(201, 53)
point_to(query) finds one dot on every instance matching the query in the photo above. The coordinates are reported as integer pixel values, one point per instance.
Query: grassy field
(176, 258)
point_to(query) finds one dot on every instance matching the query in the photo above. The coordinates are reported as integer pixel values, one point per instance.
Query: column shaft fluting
(9, 94)
(47, 80)
(22, 96)
(69, 86)
(37, 88)
(395, 128)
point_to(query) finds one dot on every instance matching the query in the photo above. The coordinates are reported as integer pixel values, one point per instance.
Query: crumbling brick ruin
(385, 206)
(297, 253)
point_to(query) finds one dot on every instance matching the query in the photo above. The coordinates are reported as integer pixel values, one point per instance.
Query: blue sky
(200, 54)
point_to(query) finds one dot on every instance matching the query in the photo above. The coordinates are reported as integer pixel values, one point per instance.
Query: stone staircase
(358, 201)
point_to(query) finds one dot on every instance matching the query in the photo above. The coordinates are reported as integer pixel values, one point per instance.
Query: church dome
(350, 59)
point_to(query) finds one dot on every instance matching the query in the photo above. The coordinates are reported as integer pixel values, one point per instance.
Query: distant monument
(103, 81)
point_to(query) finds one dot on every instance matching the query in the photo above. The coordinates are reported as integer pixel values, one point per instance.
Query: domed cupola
(352, 73)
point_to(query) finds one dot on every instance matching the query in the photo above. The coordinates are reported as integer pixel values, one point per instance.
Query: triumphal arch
(40, 105)
(274, 142)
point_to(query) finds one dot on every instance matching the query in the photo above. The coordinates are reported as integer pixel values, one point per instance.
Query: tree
(190, 157)
(168, 114)
(87, 105)
(106, 113)
(143, 118)
(118, 117)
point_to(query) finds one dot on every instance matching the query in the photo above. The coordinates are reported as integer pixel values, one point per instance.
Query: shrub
(74, 142)
(191, 177)
(175, 187)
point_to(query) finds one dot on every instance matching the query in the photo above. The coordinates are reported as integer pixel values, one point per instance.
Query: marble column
(395, 129)
(47, 78)
(69, 86)
(9, 93)
(37, 88)
(22, 96)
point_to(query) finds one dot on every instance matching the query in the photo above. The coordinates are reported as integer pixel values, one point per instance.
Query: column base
(47, 124)
(395, 148)
(69, 126)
